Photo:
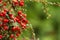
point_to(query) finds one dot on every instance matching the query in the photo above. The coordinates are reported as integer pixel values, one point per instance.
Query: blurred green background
(44, 29)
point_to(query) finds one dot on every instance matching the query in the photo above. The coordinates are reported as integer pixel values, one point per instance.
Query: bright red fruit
(15, 3)
(17, 19)
(5, 27)
(5, 21)
(16, 28)
(24, 20)
(19, 12)
(12, 36)
(21, 3)
(1, 15)
(0, 0)
(11, 16)
(5, 10)
(23, 25)
(4, 13)
(13, 29)
(17, 34)
(1, 36)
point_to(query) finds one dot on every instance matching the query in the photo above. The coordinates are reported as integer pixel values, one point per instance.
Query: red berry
(23, 25)
(4, 13)
(1, 36)
(17, 34)
(24, 15)
(1, 15)
(16, 3)
(13, 29)
(4, 24)
(5, 21)
(18, 17)
(12, 36)
(15, 19)
(5, 10)
(21, 3)
(24, 20)
(0, 0)
(5, 27)
(11, 16)
(4, 3)
(18, 20)
(17, 28)
(19, 12)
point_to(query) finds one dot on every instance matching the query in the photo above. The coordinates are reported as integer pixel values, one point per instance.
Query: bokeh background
(44, 17)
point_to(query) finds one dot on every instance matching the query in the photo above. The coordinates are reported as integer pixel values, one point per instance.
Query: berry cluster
(20, 3)
(7, 20)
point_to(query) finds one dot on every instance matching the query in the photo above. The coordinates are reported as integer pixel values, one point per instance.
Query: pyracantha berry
(17, 34)
(11, 16)
(15, 2)
(16, 28)
(6, 27)
(12, 36)
(0, 0)
(19, 12)
(21, 3)
(5, 10)
(5, 21)
(4, 14)
(1, 36)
